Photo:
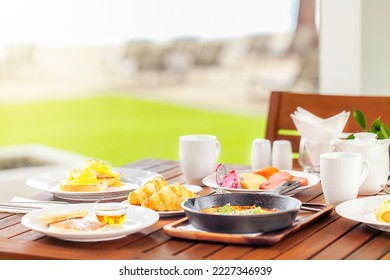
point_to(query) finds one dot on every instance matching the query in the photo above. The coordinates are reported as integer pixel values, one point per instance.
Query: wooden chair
(282, 104)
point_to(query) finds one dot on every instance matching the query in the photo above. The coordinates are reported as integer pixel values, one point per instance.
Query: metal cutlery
(386, 188)
(18, 208)
(36, 202)
(27, 206)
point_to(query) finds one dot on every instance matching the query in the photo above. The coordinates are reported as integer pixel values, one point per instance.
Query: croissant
(137, 196)
(169, 198)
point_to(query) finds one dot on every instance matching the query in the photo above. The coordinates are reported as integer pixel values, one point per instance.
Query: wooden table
(331, 237)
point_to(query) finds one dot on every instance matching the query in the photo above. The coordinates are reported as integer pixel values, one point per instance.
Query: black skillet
(287, 209)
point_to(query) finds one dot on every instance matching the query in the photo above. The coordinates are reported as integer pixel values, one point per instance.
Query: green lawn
(121, 129)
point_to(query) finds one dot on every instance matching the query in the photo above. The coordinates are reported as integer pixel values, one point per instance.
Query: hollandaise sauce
(84, 176)
(100, 167)
(104, 172)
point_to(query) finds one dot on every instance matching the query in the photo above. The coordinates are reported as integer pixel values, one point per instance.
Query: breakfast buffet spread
(158, 195)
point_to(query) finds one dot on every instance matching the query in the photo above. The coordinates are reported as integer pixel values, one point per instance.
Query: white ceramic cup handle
(365, 166)
(218, 149)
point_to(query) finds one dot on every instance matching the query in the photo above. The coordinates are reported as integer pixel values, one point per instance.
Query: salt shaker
(282, 154)
(261, 153)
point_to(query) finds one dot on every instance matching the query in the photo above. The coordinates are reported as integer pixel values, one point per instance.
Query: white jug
(376, 152)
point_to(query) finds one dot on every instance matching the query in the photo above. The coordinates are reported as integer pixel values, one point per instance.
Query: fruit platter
(265, 179)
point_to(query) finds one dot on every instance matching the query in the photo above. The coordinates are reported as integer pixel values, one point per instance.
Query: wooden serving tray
(304, 218)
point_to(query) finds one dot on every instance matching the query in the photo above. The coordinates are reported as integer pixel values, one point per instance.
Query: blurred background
(121, 80)
(179, 50)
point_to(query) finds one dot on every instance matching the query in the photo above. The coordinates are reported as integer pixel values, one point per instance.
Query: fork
(386, 188)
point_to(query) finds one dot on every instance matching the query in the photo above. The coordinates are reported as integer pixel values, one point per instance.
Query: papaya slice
(267, 171)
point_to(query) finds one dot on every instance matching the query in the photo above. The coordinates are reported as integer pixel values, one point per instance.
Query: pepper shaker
(282, 154)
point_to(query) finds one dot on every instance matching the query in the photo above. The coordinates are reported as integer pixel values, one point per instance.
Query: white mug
(282, 154)
(198, 156)
(261, 153)
(342, 173)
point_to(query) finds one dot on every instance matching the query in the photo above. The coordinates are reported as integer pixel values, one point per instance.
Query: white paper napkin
(25, 205)
(318, 132)
(312, 127)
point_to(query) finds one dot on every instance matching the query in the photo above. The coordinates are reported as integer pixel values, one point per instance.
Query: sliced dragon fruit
(231, 180)
(220, 173)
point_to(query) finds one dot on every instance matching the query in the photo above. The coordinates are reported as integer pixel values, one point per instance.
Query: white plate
(210, 181)
(50, 182)
(165, 214)
(194, 188)
(363, 210)
(137, 218)
(162, 213)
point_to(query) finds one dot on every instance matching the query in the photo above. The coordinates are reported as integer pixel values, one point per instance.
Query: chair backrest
(282, 104)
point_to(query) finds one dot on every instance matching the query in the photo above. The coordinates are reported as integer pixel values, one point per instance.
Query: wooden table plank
(230, 252)
(376, 248)
(16, 249)
(30, 235)
(386, 256)
(271, 252)
(148, 242)
(199, 251)
(348, 243)
(124, 242)
(145, 163)
(47, 240)
(5, 215)
(319, 240)
(168, 250)
(13, 230)
(9, 220)
(160, 166)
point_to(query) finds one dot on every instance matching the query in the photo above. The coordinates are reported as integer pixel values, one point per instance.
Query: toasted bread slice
(57, 217)
(97, 187)
(77, 224)
(112, 181)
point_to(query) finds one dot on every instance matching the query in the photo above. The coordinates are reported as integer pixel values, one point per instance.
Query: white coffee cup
(282, 154)
(261, 153)
(198, 156)
(342, 173)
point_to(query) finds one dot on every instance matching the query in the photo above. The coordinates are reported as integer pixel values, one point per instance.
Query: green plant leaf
(360, 118)
(376, 125)
(380, 135)
(350, 137)
(385, 131)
